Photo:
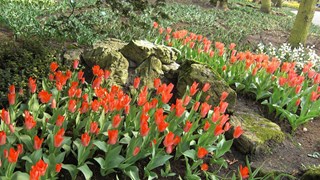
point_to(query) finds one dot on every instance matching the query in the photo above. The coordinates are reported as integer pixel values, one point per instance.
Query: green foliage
(21, 60)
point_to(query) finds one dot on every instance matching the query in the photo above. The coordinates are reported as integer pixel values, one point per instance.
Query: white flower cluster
(285, 53)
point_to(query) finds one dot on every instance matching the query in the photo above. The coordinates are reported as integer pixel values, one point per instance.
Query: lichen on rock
(191, 71)
(107, 56)
(312, 174)
(259, 132)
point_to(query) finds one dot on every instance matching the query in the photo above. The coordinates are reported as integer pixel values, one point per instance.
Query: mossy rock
(191, 71)
(149, 70)
(312, 174)
(259, 133)
(140, 50)
(107, 56)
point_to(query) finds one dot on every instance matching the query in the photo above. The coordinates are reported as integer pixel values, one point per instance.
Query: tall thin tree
(300, 30)
(265, 6)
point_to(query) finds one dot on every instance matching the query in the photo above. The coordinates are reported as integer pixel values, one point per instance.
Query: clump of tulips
(67, 116)
(289, 93)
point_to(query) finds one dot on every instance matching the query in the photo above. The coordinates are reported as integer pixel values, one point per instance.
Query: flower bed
(287, 92)
(68, 117)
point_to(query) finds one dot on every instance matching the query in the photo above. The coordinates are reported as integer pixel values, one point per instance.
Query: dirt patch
(279, 37)
(292, 156)
(5, 33)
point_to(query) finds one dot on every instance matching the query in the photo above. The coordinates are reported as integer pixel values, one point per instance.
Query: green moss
(262, 128)
(312, 174)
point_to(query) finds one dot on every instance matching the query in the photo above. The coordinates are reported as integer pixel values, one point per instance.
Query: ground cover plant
(69, 117)
(89, 123)
(292, 95)
(86, 21)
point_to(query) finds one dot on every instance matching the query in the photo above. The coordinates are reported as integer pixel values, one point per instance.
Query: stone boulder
(148, 70)
(191, 71)
(107, 56)
(140, 50)
(259, 132)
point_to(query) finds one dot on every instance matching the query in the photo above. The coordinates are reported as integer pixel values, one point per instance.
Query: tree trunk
(299, 32)
(223, 4)
(214, 2)
(266, 6)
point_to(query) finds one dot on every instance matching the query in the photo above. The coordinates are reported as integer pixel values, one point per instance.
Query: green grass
(51, 20)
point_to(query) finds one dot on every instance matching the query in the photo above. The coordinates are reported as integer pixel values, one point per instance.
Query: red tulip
(136, 151)
(11, 98)
(204, 167)
(196, 106)
(44, 96)
(179, 108)
(29, 121)
(113, 136)
(224, 95)
(206, 126)
(58, 167)
(84, 107)
(144, 128)
(13, 156)
(223, 107)
(162, 126)
(97, 71)
(94, 128)
(60, 121)
(95, 105)
(136, 82)
(75, 64)
(20, 148)
(155, 25)
(314, 96)
(37, 142)
(187, 127)
(237, 132)
(41, 167)
(116, 121)
(168, 140)
(106, 74)
(5, 116)
(34, 173)
(54, 66)
(244, 172)
(156, 83)
(194, 88)
(142, 98)
(202, 152)
(72, 105)
(85, 139)
(206, 87)
(298, 102)
(58, 138)
(3, 138)
(218, 130)
(232, 46)
(205, 107)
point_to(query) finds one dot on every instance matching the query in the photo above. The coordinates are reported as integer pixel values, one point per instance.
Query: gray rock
(149, 70)
(191, 71)
(259, 132)
(107, 56)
